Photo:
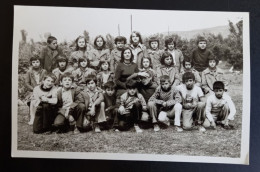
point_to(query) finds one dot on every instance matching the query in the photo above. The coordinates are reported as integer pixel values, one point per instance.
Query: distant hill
(224, 30)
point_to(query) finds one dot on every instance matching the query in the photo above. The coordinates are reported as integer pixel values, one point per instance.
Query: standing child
(200, 55)
(93, 98)
(188, 67)
(167, 100)
(219, 107)
(111, 104)
(154, 52)
(49, 54)
(212, 74)
(168, 69)
(33, 78)
(100, 53)
(105, 74)
(132, 105)
(120, 42)
(82, 72)
(82, 50)
(193, 104)
(70, 114)
(137, 47)
(44, 100)
(177, 55)
(62, 63)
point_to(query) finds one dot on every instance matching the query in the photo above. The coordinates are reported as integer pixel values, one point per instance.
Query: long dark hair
(122, 55)
(137, 34)
(76, 41)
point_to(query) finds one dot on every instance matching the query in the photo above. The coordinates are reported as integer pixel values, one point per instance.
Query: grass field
(214, 143)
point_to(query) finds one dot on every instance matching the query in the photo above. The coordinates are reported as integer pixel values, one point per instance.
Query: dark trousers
(63, 124)
(44, 117)
(126, 121)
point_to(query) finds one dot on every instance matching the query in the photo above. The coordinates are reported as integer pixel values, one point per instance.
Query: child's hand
(213, 124)
(92, 112)
(121, 109)
(164, 104)
(44, 99)
(71, 119)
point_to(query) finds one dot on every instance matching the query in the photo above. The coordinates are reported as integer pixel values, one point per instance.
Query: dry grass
(217, 143)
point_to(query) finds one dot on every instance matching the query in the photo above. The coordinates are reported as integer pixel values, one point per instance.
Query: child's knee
(201, 105)
(151, 104)
(145, 116)
(178, 106)
(206, 123)
(81, 106)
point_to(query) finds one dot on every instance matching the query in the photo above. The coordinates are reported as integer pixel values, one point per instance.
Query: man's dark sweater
(200, 59)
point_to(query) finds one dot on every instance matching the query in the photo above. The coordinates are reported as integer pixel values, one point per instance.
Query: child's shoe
(156, 127)
(201, 129)
(30, 122)
(76, 130)
(178, 129)
(97, 129)
(138, 129)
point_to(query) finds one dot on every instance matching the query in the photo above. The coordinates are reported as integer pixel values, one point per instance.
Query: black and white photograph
(125, 84)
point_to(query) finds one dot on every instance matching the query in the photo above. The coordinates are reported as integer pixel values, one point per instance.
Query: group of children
(131, 86)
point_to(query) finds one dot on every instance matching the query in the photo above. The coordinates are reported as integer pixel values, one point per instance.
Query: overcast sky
(68, 23)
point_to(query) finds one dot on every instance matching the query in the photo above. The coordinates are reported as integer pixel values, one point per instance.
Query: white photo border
(244, 155)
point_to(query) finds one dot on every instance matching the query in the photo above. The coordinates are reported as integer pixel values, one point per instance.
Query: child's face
(62, 65)
(127, 54)
(53, 45)
(219, 93)
(165, 85)
(135, 38)
(146, 63)
(171, 46)
(66, 82)
(110, 91)
(189, 83)
(36, 64)
(146, 80)
(83, 64)
(202, 45)
(168, 60)
(91, 85)
(120, 44)
(48, 83)
(212, 63)
(187, 65)
(81, 43)
(104, 66)
(154, 45)
(132, 91)
(99, 42)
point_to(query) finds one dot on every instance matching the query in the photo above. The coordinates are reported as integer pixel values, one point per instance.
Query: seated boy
(212, 74)
(44, 101)
(33, 78)
(132, 108)
(111, 104)
(62, 63)
(193, 102)
(69, 111)
(93, 99)
(167, 100)
(188, 67)
(219, 107)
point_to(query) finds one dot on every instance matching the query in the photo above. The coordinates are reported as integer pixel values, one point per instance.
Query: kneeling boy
(132, 108)
(93, 99)
(167, 100)
(69, 113)
(219, 107)
(193, 104)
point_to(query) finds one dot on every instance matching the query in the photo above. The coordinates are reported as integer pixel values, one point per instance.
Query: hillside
(224, 30)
